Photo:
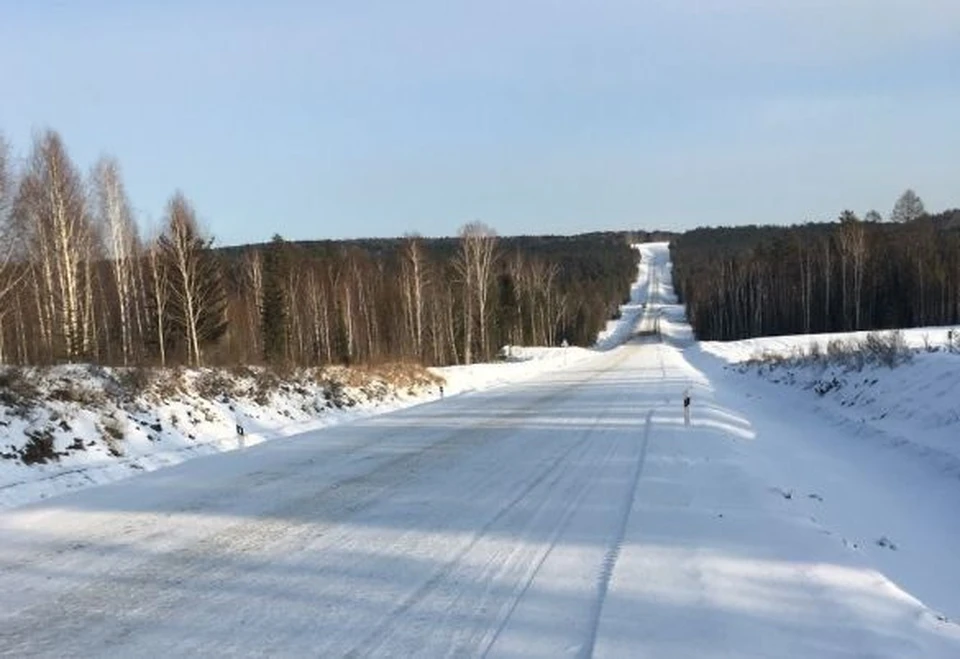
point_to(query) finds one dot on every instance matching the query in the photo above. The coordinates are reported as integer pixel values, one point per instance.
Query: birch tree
(197, 298)
(159, 294)
(320, 316)
(122, 245)
(252, 287)
(853, 246)
(11, 273)
(474, 262)
(51, 210)
(414, 277)
(517, 271)
(347, 308)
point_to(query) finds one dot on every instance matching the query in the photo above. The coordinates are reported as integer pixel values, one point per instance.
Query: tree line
(850, 274)
(433, 300)
(78, 282)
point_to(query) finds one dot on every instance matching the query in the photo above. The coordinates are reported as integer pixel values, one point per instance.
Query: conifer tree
(273, 305)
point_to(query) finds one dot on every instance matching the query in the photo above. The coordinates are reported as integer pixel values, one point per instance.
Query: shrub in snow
(815, 352)
(884, 348)
(214, 383)
(335, 394)
(266, 383)
(841, 354)
(72, 392)
(823, 387)
(887, 348)
(39, 448)
(167, 384)
(847, 353)
(135, 381)
(18, 390)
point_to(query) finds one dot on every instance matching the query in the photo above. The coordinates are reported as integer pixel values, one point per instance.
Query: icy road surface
(571, 515)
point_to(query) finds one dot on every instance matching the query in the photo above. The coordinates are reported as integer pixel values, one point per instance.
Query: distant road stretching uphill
(571, 515)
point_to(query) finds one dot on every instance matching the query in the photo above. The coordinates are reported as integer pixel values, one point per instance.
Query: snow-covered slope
(71, 427)
(914, 404)
(573, 513)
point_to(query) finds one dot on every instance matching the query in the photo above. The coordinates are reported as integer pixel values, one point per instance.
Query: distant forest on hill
(79, 283)
(851, 274)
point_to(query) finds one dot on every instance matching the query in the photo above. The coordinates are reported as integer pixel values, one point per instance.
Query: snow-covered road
(573, 514)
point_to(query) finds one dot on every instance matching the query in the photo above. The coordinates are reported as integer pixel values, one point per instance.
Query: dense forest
(439, 301)
(850, 274)
(79, 283)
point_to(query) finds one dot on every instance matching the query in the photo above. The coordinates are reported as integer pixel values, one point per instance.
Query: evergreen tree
(273, 306)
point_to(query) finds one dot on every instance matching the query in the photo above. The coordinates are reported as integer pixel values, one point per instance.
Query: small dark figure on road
(686, 408)
(441, 391)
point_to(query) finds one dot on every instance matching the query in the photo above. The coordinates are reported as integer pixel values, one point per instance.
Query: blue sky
(334, 119)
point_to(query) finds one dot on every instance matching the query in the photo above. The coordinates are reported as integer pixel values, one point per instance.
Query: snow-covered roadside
(80, 431)
(871, 456)
(619, 330)
(520, 364)
(914, 405)
(70, 427)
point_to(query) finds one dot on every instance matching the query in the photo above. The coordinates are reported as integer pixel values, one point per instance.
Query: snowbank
(915, 404)
(740, 351)
(72, 426)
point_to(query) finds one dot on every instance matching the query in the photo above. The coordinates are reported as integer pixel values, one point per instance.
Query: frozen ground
(571, 513)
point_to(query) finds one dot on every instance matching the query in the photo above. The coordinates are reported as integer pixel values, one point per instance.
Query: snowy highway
(573, 514)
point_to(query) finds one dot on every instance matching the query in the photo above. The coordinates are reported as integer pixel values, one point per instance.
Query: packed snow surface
(570, 512)
(98, 439)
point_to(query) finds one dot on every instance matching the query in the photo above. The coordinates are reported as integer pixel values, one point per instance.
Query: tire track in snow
(560, 528)
(613, 553)
(376, 638)
(559, 466)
